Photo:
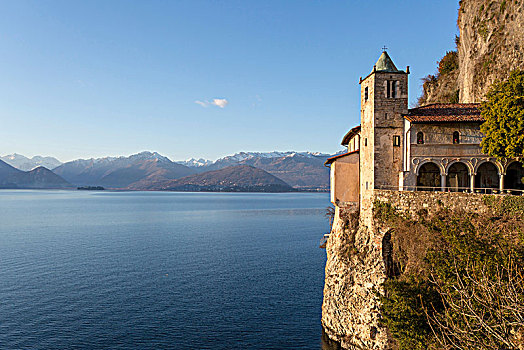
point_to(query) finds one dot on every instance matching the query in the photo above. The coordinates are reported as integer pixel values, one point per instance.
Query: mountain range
(301, 170)
(23, 163)
(151, 171)
(122, 172)
(39, 177)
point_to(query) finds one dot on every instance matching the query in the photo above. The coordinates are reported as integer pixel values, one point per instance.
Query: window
(420, 138)
(456, 138)
(365, 141)
(391, 88)
(396, 140)
(366, 93)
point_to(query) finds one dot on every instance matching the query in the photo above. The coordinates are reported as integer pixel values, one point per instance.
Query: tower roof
(385, 64)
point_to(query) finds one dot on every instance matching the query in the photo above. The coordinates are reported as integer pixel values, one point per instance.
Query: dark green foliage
(448, 63)
(403, 311)
(503, 111)
(506, 205)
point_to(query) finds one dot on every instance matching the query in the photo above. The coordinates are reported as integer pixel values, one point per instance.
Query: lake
(161, 270)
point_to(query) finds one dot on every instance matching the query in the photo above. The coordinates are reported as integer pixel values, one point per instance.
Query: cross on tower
(384, 48)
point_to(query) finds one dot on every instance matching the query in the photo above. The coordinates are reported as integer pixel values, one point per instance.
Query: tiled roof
(349, 135)
(445, 113)
(332, 159)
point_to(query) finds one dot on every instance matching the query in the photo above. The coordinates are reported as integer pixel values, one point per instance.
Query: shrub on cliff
(470, 292)
(442, 87)
(503, 111)
(448, 63)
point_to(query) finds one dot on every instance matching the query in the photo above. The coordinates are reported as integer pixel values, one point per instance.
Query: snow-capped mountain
(195, 163)
(120, 172)
(23, 163)
(299, 169)
(241, 156)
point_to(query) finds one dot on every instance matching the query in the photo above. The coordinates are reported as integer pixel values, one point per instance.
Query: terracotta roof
(332, 159)
(349, 135)
(445, 113)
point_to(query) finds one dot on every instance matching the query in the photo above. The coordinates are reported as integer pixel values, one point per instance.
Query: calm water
(103, 270)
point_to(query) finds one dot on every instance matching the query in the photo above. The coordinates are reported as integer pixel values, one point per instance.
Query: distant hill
(40, 178)
(302, 170)
(121, 172)
(23, 163)
(241, 178)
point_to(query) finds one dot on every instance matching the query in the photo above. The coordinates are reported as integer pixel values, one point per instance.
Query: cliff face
(491, 44)
(354, 275)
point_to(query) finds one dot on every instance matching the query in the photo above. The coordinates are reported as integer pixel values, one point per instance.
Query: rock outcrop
(491, 44)
(354, 275)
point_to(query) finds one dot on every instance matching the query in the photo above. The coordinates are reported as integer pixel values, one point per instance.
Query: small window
(420, 138)
(367, 185)
(366, 93)
(393, 89)
(365, 141)
(456, 138)
(396, 140)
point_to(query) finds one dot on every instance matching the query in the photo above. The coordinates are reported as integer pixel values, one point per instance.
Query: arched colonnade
(485, 175)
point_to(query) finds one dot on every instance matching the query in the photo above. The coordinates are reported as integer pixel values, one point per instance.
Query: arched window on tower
(391, 88)
(366, 94)
(456, 138)
(420, 138)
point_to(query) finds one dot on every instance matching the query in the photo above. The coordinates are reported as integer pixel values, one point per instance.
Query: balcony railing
(482, 190)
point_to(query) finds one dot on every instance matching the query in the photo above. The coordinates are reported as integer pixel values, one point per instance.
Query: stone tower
(383, 101)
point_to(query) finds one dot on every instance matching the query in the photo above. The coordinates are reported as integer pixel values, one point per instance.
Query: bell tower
(383, 101)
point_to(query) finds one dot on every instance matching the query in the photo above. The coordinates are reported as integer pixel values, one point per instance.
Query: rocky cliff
(354, 274)
(490, 45)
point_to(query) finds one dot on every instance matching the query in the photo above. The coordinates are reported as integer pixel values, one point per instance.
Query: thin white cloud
(203, 104)
(219, 102)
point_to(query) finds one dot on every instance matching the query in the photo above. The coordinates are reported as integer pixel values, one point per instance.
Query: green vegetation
(460, 278)
(448, 63)
(447, 67)
(503, 111)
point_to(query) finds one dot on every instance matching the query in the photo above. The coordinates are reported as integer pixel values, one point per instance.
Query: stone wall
(410, 202)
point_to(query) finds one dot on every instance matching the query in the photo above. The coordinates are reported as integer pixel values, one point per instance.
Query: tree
(503, 112)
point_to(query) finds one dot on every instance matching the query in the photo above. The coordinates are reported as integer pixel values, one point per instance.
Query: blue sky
(92, 78)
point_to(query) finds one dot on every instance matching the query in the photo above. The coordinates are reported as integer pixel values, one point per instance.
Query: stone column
(472, 183)
(443, 182)
(501, 182)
